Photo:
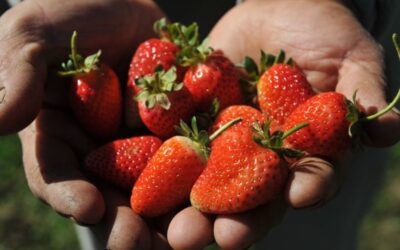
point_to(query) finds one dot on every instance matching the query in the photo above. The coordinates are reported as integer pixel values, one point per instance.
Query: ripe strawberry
(163, 102)
(122, 161)
(243, 171)
(95, 97)
(334, 124)
(153, 53)
(327, 133)
(211, 75)
(168, 178)
(148, 56)
(280, 88)
(248, 113)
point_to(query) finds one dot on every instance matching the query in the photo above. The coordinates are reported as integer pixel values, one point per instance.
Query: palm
(325, 40)
(115, 26)
(335, 53)
(54, 145)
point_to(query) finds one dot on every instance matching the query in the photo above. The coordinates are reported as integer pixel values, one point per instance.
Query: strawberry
(95, 96)
(163, 102)
(168, 178)
(246, 166)
(153, 53)
(148, 56)
(121, 162)
(211, 75)
(248, 113)
(281, 87)
(335, 123)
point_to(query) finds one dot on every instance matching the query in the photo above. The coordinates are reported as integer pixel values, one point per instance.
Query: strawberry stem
(224, 127)
(201, 138)
(274, 141)
(76, 63)
(396, 43)
(293, 130)
(74, 50)
(383, 111)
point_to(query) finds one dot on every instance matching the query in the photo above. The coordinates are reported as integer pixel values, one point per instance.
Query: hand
(34, 39)
(336, 54)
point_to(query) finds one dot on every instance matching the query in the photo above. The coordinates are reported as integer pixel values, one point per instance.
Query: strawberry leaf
(262, 136)
(177, 86)
(169, 77)
(251, 68)
(163, 101)
(150, 101)
(161, 27)
(280, 58)
(91, 61)
(192, 34)
(266, 61)
(157, 87)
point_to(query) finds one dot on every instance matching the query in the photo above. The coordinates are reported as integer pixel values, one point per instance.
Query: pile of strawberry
(235, 154)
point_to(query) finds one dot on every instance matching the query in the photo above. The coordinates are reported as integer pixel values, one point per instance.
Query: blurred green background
(26, 223)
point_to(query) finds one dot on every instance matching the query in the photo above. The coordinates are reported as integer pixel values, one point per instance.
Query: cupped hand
(336, 54)
(34, 39)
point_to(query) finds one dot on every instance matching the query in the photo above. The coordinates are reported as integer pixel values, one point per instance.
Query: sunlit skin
(323, 37)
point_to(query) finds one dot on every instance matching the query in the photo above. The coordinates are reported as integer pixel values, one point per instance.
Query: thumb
(362, 71)
(22, 71)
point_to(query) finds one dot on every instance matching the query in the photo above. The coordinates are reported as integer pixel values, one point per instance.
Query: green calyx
(266, 62)
(181, 35)
(396, 43)
(155, 88)
(192, 55)
(356, 119)
(76, 63)
(201, 137)
(187, 39)
(274, 141)
(254, 72)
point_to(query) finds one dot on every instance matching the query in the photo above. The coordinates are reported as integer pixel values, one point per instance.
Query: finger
(190, 229)
(120, 227)
(22, 70)
(62, 126)
(239, 231)
(51, 169)
(312, 182)
(362, 71)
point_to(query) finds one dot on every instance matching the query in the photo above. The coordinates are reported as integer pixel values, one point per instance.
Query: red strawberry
(241, 174)
(148, 56)
(121, 162)
(281, 87)
(163, 103)
(95, 97)
(168, 178)
(334, 124)
(249, 115)
(211, 76)
(327, 133)
(153, 53)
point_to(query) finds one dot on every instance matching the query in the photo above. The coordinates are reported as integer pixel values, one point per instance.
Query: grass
(26, 223)
(381, 228)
